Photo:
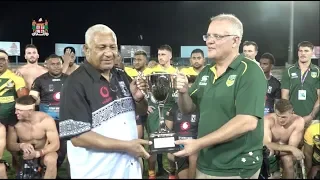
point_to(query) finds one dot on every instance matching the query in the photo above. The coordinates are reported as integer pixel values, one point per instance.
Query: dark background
(180, 23)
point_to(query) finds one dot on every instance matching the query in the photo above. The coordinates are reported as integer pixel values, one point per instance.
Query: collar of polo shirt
(311, 66)
(93, 72)
(233, 65)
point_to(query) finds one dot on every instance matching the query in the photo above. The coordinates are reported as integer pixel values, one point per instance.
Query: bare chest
(30, 133)
(281, 134)
(31, 73)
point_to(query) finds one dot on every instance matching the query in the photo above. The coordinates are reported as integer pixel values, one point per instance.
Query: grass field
(62, 172)
(11, 173)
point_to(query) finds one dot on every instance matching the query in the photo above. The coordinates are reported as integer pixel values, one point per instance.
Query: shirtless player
(11, 87)
(37, 134)
(3, 173)
(283, 131)
(31, 70)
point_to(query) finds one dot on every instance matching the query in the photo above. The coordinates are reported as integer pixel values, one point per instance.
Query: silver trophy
(160, 87)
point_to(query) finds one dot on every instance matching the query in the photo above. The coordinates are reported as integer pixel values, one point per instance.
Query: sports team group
(233, 118)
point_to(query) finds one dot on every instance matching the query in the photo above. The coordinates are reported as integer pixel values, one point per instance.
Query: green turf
(62, 171)
(7, 157)
(164, 160)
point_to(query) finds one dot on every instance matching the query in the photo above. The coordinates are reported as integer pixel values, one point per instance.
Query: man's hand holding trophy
(159, 86)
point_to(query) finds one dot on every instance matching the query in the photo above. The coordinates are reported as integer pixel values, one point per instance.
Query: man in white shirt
(98, 107)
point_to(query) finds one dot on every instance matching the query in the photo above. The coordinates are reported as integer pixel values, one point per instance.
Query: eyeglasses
(215, 36)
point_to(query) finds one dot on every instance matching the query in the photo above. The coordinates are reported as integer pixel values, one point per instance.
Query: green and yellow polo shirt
(240, 90)
(292, 80)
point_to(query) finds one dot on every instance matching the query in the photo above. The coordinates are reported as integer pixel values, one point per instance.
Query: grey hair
(236, 23)
(98, 28)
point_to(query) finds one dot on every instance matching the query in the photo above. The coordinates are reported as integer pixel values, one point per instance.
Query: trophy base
(163, 142)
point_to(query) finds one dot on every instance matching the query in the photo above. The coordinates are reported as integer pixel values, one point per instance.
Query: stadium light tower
(291, 34)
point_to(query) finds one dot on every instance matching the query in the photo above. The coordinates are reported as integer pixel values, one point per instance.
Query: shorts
(317, 175)
(27, 169)
(274, 164)
(62, 151)
(46, 109)
(143, 119)
(10, 119)
(182, 163)
(153, 122)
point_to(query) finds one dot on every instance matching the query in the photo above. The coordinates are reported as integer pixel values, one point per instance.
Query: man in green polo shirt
(300, 84)
(230, 95)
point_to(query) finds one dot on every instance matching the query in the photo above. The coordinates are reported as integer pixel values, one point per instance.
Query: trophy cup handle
(146, 95)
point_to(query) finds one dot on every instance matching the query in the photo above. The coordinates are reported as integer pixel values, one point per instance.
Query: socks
(152, 173)
(172, 168)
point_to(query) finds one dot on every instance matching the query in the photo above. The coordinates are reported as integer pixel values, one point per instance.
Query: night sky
(180, 23)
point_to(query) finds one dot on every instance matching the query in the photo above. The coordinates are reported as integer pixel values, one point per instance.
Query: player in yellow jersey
(11, 87)
(197, 63)
(152, 63)
(311, 150)
(164, 57)
(139, 64)
(131, 72)
(140, 60)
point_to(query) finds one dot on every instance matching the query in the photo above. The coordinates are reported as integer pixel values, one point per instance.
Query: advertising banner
(316, 52)
(59, 47)
(12, 48)
(186, 51)
(127, 51)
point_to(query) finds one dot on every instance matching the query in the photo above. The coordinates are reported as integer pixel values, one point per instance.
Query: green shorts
(153, 121)
(274, 164)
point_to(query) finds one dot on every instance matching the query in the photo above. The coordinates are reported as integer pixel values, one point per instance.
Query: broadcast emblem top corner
(40, 28)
